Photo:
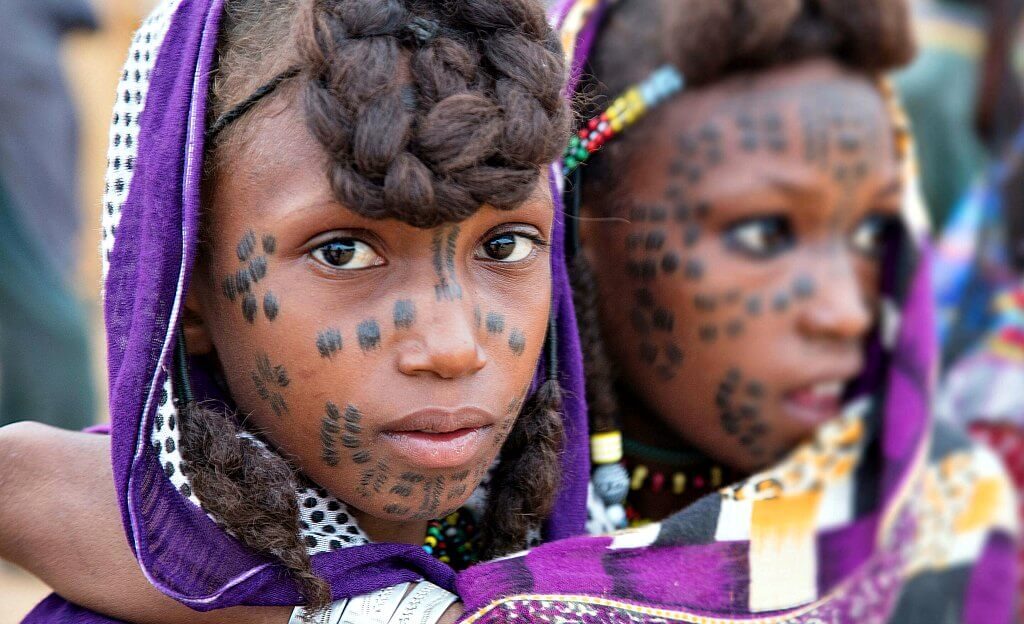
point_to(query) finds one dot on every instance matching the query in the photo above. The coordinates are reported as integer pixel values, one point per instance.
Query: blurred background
(59, 64)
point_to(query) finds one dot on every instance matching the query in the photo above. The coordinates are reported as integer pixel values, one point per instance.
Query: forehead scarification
(820, 111)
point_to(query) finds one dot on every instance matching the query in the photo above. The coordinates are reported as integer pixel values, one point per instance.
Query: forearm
(59, 520)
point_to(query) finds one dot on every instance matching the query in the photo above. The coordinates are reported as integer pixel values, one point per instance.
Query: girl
(717, 207)
(328, 286)
(775, 333)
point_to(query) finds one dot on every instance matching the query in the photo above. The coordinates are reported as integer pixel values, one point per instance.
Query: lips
(436, 438)
(815, 403)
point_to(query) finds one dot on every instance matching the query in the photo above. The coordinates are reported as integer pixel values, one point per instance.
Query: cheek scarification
(243, 282)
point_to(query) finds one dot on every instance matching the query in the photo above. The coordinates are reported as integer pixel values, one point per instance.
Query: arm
(57, 488)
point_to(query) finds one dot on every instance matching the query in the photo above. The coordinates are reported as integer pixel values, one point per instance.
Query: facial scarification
(242, 284)
(723, 238)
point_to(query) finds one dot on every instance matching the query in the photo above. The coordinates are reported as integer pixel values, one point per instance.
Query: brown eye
(347, 254)
(508, 247)
(761, 237)
(871, 234)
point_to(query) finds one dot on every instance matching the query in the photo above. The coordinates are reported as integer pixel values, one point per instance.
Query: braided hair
(426, 111)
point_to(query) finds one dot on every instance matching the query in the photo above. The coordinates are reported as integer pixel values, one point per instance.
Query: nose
(838, 310)
(443, 344)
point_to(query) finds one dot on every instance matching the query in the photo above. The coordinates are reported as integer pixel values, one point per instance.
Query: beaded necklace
(688, 477)
(452, 539)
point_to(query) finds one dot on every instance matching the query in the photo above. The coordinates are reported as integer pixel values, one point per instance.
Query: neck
(396, 531)
(640, 423)
(664, 452)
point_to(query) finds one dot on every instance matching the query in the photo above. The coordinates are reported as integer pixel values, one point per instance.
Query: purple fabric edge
(569, 515)
(992, 591)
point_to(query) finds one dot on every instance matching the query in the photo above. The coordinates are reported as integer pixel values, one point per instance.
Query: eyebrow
(788, 187)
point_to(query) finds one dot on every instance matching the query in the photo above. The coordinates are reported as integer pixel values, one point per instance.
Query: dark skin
(804, 313)
(747, 231)
(272, 298)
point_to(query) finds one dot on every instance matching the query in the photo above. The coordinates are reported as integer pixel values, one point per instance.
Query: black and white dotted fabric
(165, 440)
(123, 144)
(324, 521)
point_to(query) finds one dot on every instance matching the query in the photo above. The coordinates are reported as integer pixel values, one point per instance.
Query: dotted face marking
(368, 335)
(517, 341)
(270, 380)
(328, 342)
(242, 283)
(495, 323)
(404, 314)
(740, 403)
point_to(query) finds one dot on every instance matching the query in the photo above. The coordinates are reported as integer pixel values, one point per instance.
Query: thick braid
(427, 127)
(250, 490)
(602, 404)
(525, 482)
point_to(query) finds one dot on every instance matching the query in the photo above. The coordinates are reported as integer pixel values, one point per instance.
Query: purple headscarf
(150, 223)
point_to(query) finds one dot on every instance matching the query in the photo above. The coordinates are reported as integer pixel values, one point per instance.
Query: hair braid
(250, 491)
(525, 482)
(602, 404)
(426, 130)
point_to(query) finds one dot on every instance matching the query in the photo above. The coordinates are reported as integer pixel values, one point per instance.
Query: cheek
(869, 280)
(510, 316)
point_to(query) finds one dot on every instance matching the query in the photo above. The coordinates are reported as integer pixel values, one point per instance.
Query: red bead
(698, 481)
(592, 124)
(609, 132)
(583, 133)
(604, 116)
(657, 482)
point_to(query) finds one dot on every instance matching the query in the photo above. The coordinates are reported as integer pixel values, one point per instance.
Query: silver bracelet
(425, 604)
(379, 606)
(330, 615)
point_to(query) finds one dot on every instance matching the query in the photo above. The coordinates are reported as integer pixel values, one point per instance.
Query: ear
(197, 333)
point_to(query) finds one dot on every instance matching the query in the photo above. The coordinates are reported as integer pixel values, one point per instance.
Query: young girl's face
(387, 362)
(738, 286)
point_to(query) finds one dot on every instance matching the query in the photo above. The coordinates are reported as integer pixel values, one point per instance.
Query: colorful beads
(452, 540)
(678, 483)
(623, 112)
(658, 482)
(639, 476)
(606, 448)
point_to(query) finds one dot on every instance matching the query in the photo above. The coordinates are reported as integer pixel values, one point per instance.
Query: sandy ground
(19, 592)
